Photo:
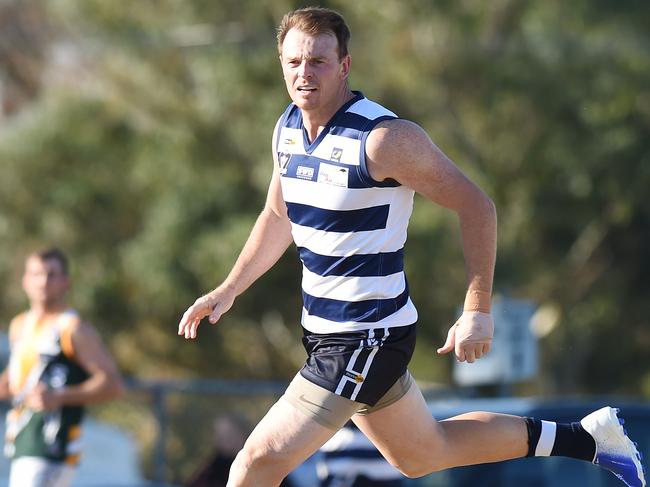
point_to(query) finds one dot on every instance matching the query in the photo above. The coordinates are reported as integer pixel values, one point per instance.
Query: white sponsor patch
(303, 172)
(334, 175)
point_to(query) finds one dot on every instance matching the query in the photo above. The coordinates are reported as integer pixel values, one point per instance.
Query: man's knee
(415, 468)
(417, 464)
(254, 462)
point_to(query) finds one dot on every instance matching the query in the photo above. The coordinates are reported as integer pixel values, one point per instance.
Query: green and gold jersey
(42, 352)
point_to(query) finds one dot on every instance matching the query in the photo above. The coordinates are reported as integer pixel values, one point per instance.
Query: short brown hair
(56, 254)
(314, 21)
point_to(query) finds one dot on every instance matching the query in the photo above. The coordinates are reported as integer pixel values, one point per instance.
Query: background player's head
(45, 279)
(230, 432)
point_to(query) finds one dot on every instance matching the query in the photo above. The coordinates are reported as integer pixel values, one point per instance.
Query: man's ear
(345, 66)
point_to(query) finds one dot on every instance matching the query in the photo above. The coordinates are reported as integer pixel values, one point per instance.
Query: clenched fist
(470, 337)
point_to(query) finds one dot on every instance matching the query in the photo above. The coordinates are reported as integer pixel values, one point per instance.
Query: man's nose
(49, 278)
(304, 71)
(39, 282)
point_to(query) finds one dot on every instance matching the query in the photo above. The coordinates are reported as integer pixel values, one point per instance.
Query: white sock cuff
(546, 439)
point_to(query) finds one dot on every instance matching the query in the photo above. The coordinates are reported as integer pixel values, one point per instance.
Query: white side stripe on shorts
(357, 388)
(350, 366)
(366, 366)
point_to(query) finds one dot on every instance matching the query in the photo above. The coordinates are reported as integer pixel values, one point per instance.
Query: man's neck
(45, 309)
(315, 121)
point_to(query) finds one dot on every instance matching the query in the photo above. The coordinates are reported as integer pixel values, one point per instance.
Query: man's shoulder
(15, 325)
(69, 316)
(68, 322)
(394, 130)
(18, 319)
(393, 145)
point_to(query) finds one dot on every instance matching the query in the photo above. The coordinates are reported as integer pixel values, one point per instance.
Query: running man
(344, 177)
(57, 365)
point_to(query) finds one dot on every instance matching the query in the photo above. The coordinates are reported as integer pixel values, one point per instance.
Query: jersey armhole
(364, 173)
(67, 345)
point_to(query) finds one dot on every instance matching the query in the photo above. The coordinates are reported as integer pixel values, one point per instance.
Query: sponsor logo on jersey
(303, 172)
(334, 175)
(336, 154)
(283, 161)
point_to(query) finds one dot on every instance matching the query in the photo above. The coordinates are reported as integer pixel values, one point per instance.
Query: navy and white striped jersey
(350, 230)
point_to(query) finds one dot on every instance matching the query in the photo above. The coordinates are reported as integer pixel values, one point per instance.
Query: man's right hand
(213, 305)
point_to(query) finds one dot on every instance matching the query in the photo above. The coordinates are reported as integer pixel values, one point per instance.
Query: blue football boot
(614, 450)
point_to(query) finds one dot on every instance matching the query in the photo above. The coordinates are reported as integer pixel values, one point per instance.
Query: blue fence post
(160, 410)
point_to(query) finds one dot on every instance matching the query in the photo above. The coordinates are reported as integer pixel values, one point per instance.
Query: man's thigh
(287, 435)
(324, 407)
(39, 472)
(402, 428)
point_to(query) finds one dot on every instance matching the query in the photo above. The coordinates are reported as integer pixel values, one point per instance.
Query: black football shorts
(362, 365)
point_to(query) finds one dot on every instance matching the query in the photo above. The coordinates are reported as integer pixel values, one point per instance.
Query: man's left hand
(470, 337)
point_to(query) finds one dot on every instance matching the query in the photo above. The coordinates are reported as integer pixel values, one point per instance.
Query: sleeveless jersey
(42, 351)
(349, 229)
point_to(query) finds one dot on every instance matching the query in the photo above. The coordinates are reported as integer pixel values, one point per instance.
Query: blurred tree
(24, 35)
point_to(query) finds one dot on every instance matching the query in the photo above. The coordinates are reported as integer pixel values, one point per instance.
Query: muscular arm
(104, 382)
(401, 150)
(268, 240)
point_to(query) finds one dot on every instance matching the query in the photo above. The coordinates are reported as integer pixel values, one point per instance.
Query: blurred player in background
(57, 365)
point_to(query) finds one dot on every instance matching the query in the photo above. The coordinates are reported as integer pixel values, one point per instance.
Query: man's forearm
(479, 236)
(99, 387)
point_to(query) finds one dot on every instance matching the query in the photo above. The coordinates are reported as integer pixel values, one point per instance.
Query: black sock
(559, 439)
(534, 427)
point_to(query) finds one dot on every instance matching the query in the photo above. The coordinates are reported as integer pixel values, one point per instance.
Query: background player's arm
(104, 381)
(268, 240)
(5, 391)
(5, 395)
(401, 150)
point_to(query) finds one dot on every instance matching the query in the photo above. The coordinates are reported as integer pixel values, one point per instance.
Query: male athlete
(57, 365)
(342, 189)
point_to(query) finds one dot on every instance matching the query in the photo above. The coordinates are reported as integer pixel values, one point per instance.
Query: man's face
(313, 73)
(44, 281)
